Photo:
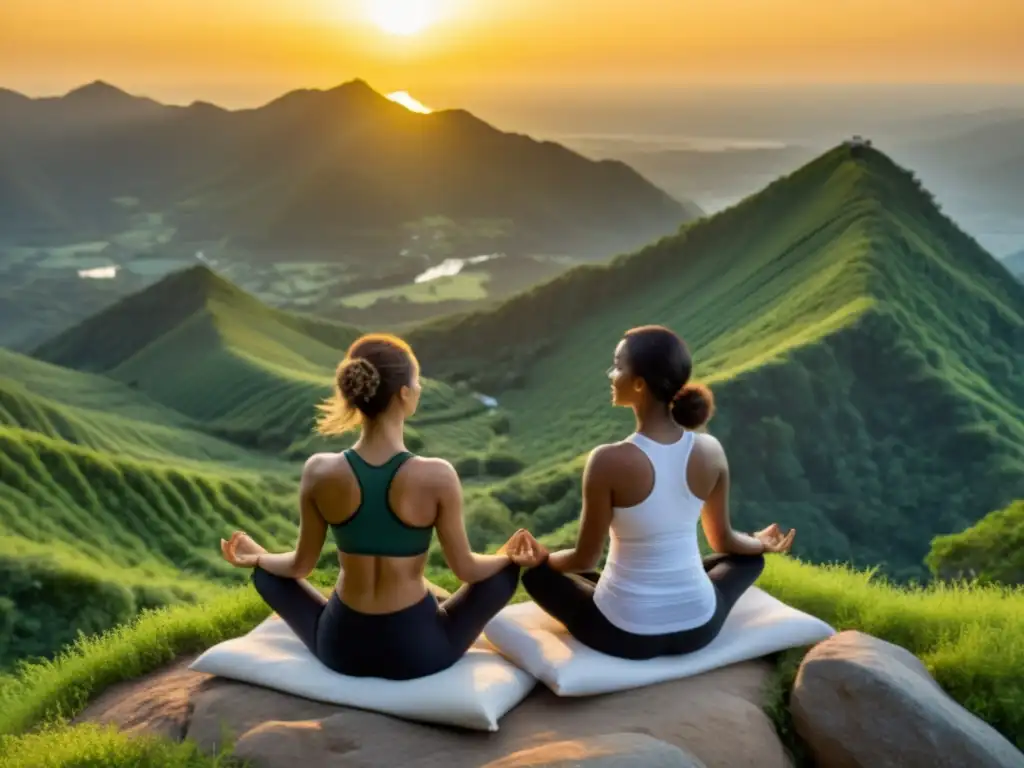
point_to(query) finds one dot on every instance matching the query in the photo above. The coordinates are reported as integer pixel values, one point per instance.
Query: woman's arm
(715, 515)
(300, 562)
(595, 518)
(468, 566)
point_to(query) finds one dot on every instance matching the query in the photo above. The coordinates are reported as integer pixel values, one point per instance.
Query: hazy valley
(331, 201)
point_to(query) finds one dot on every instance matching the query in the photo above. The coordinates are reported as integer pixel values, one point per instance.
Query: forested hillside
(991, 550)
(866, 355)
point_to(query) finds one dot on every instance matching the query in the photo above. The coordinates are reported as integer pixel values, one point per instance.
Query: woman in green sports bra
(382, 505)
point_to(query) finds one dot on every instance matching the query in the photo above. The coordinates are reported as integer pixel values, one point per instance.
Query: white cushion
(758, 625)
(473, 693)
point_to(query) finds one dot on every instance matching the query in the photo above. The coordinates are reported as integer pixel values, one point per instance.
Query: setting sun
(407, 101)
(402, 17)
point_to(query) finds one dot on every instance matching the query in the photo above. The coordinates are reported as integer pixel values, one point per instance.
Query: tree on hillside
(991, 551)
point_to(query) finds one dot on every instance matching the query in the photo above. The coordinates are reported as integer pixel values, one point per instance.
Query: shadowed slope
(199, 344)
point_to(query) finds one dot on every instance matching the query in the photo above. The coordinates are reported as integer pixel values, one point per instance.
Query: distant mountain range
(977, 171)
(344, 171)
(1015, 263)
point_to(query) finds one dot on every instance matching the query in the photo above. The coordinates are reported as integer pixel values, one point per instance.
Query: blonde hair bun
(358, 380)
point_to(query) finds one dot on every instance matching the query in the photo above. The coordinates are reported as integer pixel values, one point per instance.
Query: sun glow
(403, 17)
(407, 101)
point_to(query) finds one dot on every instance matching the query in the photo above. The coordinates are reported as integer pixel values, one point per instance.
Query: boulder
(862, 702)
(713, 720)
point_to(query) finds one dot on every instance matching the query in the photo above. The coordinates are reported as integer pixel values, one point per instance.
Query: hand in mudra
(774, 540)
(524, 550)
(240, 550)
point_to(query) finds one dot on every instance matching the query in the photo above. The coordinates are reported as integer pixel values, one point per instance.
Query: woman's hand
(525, 551)
(513, 548)
(774, 540)
(241, 551)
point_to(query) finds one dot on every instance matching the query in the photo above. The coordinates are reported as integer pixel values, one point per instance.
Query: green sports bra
(374, 528)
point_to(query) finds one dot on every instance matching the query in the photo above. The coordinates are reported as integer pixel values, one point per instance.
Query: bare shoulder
(708, 448)
(612, 456)
(324, 466)
(609, 453)
(431, 472)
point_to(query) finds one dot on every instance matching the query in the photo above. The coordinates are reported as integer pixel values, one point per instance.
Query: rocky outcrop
(713, 720)
(860, 702)
(616, 750)
(159, 703)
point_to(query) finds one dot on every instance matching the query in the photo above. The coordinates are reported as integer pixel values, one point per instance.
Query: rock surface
(158, 703)
(616, 750)
(714, 720)
(859, 701)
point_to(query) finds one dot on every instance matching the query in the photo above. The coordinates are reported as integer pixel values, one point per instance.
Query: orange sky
(244, 51)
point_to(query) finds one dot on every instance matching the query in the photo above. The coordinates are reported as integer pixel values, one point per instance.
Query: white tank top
(654, 581)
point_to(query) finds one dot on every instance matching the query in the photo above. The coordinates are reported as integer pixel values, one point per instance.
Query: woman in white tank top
(657, 596)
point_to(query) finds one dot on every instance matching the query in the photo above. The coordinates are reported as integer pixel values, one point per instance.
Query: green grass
(92, 746)
(467, 286)
(49, 692)
(971, 638)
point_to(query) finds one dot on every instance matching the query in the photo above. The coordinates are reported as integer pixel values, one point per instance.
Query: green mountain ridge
(865, 353)
(199, 344)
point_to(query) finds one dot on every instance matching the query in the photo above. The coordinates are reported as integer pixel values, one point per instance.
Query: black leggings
(570, 599)
(414, 642)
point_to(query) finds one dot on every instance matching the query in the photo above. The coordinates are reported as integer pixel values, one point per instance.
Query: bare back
(380, 584)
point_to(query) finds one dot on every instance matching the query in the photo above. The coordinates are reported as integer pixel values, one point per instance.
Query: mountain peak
(6, 94)
(97, 90)
(357, 85)
(141, 318)
(198, 282)
(352, 93)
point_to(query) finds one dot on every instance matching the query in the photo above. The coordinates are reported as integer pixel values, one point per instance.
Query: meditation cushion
(474, 693)
(757, 626)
